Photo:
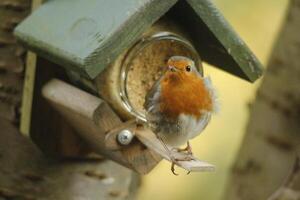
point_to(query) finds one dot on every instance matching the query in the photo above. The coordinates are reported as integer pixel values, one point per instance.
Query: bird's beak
(172, 69)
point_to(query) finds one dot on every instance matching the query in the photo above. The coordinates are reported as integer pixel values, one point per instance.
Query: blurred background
(26, 173)
(258, 23)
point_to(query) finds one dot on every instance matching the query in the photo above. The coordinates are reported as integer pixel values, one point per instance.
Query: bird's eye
(188, 68)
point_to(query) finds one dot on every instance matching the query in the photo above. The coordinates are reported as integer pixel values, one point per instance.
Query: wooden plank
(28, 85)
(92, 35)
(28, 93)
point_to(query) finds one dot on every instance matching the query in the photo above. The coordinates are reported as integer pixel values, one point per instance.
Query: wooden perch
(97, 123)
(152, 142)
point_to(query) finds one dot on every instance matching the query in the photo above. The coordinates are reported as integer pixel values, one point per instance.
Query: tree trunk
(291, 189)
(11, 58)
(272, 140)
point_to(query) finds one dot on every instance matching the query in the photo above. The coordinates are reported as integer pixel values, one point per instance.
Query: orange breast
(184, 94)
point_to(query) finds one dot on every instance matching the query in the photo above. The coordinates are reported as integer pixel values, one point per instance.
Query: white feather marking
(191, 126)
(213, 94)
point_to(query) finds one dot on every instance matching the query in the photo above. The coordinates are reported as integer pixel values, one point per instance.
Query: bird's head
(180, 67)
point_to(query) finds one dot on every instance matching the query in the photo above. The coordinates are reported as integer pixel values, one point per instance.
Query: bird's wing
(152, 97)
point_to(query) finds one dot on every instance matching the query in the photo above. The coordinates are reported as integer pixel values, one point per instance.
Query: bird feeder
(98, 59)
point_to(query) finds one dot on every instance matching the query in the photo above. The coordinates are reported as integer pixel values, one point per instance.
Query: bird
(180, 105)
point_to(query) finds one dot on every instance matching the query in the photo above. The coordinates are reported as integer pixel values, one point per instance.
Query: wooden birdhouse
(106, 55)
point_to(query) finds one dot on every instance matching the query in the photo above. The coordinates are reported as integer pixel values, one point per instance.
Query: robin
(179, 105)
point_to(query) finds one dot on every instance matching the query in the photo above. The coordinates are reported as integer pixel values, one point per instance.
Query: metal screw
(125, 137)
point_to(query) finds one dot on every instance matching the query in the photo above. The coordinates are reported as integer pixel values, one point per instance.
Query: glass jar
(126, 82)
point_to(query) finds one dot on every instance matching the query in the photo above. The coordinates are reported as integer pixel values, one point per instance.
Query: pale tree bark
(272, 140)
(291, 188)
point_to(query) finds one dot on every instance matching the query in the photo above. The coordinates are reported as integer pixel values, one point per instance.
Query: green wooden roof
(87, 35)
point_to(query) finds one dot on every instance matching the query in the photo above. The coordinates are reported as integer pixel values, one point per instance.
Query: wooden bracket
(92, 118)
(99, 125)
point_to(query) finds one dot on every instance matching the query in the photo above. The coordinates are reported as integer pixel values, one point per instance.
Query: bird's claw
(175, 161)
(173, 168)
(184, 150)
